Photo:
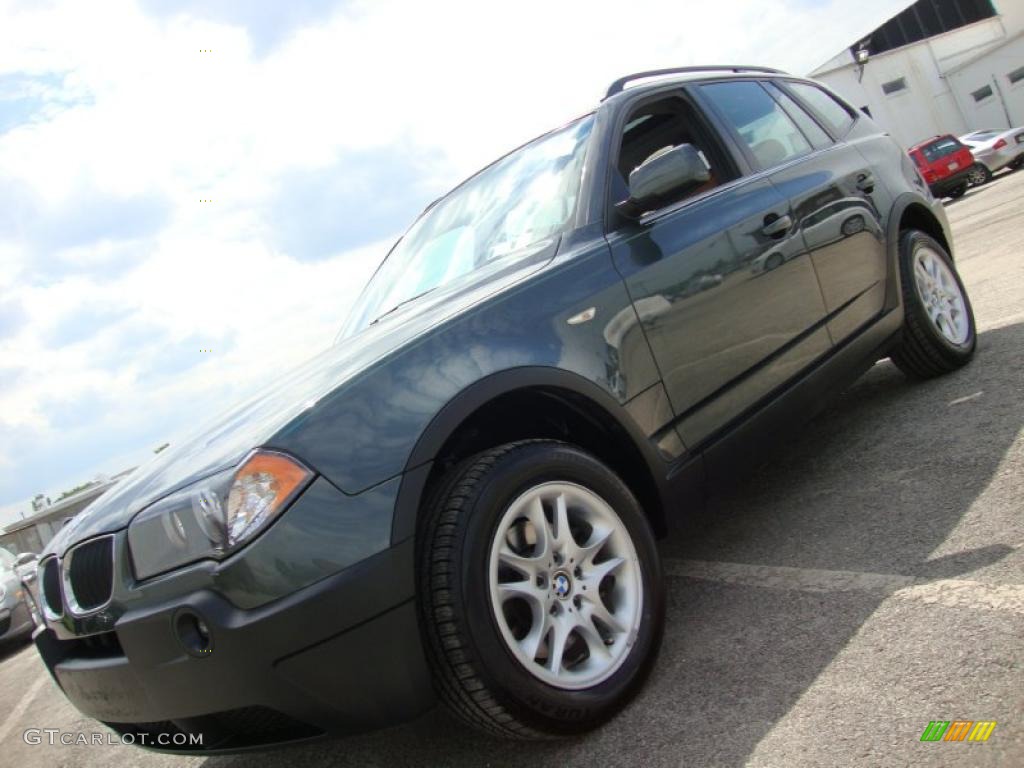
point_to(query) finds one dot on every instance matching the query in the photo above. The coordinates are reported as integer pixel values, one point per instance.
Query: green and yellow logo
(958, 730)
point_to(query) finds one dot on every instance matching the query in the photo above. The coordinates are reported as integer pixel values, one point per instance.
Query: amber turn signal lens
(288, 474)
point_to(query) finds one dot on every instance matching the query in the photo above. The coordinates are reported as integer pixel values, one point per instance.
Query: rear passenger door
(720, 279)
(837, 202)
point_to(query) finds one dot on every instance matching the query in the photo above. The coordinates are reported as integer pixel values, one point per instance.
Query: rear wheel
(980, 174)
(957, 192)
(939, 334)
(540, 591)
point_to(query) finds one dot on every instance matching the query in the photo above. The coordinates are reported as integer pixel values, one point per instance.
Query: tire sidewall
(912, 241)
(531, 700)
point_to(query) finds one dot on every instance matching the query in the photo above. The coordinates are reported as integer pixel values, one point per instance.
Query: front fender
(367, 430)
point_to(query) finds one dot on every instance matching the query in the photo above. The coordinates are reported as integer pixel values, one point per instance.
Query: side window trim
(708, 123)
(772, 86)
(855, 114)
(754, 168)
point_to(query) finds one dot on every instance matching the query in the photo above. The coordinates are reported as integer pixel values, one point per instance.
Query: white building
(939, 66)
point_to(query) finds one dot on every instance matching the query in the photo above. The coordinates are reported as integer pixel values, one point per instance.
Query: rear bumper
(998, 159)
(942, 187)
(340, 656)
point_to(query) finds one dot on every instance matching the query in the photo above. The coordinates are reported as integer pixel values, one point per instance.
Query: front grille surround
(50, 589)
(88, 575)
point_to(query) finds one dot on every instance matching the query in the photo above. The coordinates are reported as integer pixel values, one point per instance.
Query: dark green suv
(460, 499)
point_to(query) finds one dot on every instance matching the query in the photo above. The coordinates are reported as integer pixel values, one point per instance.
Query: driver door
(724, 289)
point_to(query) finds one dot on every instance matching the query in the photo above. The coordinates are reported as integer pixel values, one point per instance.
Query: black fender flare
(454, 413)
(893, 294)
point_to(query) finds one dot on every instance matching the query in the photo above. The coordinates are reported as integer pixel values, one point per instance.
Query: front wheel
(540, 591)
(939, 334)
(957, 192)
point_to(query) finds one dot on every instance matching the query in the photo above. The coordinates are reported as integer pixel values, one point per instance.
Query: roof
(690, 72)
(928, 141)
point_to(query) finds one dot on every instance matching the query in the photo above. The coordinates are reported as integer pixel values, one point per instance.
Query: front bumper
(339, 656)
(15, 620)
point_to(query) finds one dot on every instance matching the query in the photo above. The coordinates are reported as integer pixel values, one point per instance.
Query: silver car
(996, 150)
(15, 615)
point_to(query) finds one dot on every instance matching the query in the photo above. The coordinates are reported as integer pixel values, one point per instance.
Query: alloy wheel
(941, 296)
(565, 585)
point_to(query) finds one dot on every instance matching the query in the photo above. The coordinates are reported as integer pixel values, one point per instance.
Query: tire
(957, 192)
(1016, 163)
(980, 174)
(480, 669)
(931, 347)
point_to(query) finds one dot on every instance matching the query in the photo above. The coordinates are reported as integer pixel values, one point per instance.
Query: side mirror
(25, 558)
(665, 175)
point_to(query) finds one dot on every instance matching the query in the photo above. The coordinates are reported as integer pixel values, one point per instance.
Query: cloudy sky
(191, 193)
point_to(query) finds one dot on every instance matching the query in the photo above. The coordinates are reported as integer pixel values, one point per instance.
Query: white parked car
(996, 150)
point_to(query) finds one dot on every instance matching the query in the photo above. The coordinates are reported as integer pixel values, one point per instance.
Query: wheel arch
(532, 402)
(910, 211)
(913, 213)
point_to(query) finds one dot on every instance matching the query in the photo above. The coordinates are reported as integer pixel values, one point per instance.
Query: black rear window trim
(855, 114)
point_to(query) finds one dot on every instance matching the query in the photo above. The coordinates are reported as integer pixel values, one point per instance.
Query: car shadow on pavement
(875, 484)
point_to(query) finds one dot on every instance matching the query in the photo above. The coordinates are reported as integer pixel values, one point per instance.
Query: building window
(894, 86)
(1016, 76)
(982, 93)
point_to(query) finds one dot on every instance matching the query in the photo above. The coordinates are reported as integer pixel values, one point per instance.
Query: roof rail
(619, 85)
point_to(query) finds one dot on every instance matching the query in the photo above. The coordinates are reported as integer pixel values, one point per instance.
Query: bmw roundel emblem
(561, 585)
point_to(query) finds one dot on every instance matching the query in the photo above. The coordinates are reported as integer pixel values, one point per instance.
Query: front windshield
(503, 212)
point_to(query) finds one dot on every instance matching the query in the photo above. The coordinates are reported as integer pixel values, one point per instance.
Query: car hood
(227, 440)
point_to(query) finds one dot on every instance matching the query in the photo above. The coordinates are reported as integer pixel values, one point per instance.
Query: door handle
(776, 226)
(866, 183)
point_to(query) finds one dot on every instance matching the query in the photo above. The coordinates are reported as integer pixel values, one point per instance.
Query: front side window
(759, 120)
(835, 115)
(655, 128)
(509, 210)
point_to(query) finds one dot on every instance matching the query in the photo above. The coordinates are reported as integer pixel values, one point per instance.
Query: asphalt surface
(867, 579)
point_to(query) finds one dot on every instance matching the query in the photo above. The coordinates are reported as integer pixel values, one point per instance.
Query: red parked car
(946, 165)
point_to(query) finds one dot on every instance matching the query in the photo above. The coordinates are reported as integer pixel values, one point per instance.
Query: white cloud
(129, 109)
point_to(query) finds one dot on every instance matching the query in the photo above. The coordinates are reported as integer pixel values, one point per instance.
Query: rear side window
(759, 120)
(814, 132)
(835, 115)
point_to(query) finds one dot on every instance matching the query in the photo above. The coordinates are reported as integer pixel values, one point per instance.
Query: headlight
(216, 516)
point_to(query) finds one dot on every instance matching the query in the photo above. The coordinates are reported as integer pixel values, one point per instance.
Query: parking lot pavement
(867, 579)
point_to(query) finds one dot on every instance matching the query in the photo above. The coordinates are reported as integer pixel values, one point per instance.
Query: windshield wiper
(401, 304)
